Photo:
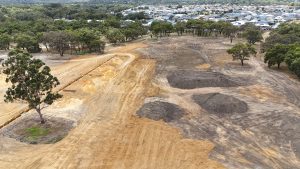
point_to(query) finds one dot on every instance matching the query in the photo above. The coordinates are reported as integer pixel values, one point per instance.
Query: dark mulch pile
(220, 104)
(189, 79)
(161, 111)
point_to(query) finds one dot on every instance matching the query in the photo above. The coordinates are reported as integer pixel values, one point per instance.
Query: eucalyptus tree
(27, 41)
(276, 55)
(242, 52)
(180, 27)
(229, 30)
(115, 35)
(292, 59)
(31, 81)
(57, 40)
(161, 28)
(253, 35)
(5, 41)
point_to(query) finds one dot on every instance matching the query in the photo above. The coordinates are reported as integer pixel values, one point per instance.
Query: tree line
(78, 37)
(198, 27)
(29, 27)
(236, 2)
(283, 46)
(204, 28)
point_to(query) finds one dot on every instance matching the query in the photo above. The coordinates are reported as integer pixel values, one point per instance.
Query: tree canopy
(58, 40)
(242, 52)
(276, 55)
(253, 35)
(287, 33)
(115, 35)
(283, 46)
(31, 81)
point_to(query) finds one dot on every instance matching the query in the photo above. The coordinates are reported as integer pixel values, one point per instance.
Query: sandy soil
(108, 134)
(67, 72)
(103, 94)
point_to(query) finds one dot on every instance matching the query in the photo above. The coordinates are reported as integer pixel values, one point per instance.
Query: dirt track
(66, 71)
(109, 134)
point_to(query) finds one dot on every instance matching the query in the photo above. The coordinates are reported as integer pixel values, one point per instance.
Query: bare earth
(102, 95)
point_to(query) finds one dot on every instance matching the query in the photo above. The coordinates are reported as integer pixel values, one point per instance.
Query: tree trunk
(71, 50)
(242, 61)
(40, 114)
(47, 47)
(61, 52)
(278, 65)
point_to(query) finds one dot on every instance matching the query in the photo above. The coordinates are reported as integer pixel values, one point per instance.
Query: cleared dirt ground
(108, 133)
(67, 72)
(128, 114)
(250, 113)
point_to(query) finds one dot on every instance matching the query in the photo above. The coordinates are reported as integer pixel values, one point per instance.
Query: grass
(33, 133)
(82, 52)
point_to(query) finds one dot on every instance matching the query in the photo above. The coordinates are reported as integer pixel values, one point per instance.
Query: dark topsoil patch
(220, 104)
(30, 130)
(160, 111)
(172, 54)
(190, 79)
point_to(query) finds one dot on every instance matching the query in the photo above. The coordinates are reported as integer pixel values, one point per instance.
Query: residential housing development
(266, 17)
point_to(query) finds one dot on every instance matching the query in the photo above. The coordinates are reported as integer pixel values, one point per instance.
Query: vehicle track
(109, 135)
(66, 77)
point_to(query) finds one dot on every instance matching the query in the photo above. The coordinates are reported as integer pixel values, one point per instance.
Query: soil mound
(30, 130)
(160, 111)
(220, 104)
(189, 79)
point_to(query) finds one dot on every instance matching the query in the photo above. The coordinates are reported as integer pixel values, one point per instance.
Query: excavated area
(106, 104)
(107, 132)
(189, 79)
(160, 111)
(250, 113)
(220, 104)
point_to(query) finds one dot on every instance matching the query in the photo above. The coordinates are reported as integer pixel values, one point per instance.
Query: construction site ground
(168, 103)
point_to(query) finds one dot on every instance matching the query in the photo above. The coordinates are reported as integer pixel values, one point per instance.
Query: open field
(176, 102)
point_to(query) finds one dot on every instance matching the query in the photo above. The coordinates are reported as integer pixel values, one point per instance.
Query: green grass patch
(33, 133)
(82, 52)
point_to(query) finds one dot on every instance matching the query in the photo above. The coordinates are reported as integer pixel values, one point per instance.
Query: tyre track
(13, 115)
(110, 136)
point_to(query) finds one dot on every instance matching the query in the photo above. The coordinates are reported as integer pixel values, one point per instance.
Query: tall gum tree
(31, 81)
(242, 52)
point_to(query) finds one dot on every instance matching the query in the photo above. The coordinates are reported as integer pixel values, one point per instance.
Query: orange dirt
(109, 135)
